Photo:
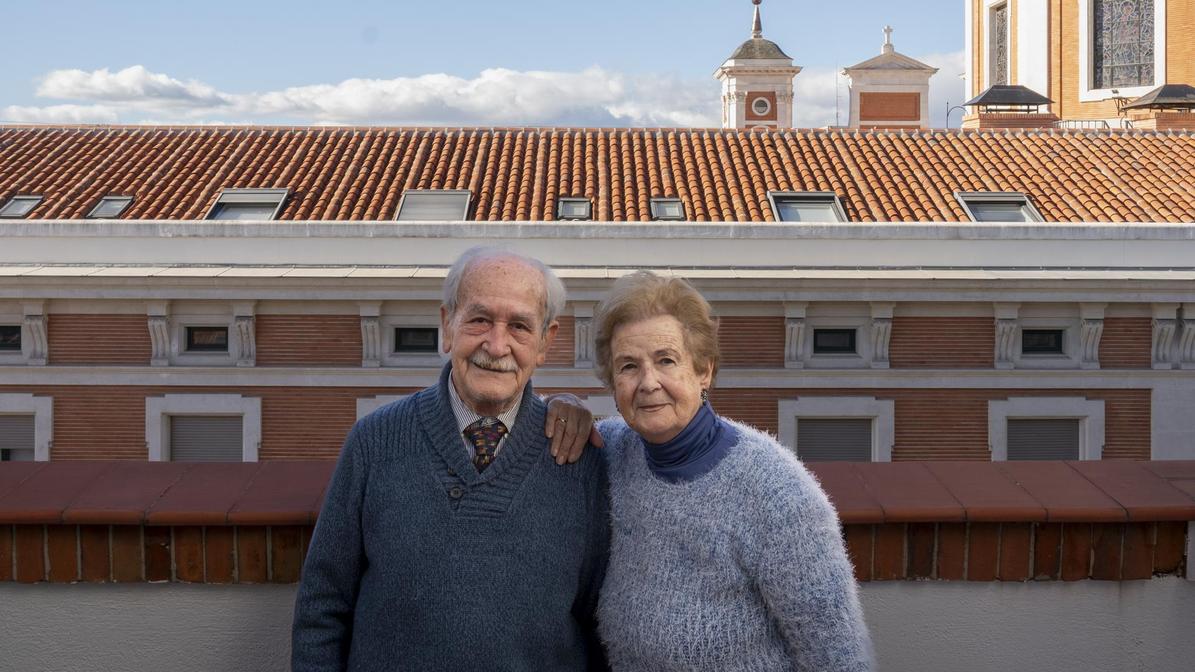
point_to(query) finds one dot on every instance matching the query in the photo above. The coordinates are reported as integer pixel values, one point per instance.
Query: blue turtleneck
(698, 448)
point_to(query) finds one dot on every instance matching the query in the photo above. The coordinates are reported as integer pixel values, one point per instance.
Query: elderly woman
(726, 553)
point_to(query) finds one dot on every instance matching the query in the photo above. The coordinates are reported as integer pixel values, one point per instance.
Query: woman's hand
(570, 426)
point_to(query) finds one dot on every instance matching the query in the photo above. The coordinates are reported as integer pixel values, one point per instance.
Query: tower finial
(887, 40)
(756, 25)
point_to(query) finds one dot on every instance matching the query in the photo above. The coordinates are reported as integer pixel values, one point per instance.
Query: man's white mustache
(504, 364)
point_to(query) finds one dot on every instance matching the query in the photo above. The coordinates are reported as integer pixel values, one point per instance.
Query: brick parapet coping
(251, 523)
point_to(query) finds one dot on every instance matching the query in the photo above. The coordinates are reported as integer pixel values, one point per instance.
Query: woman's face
(656, 382)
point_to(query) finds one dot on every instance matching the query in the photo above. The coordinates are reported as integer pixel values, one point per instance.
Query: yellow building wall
(1180, 42)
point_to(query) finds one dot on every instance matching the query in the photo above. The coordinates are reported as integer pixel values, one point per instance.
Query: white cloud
(497, 96)
(60, 114)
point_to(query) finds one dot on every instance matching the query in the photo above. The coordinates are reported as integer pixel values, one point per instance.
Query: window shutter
(206, 438)
(834, 440)
(16, 438)
(1043, 439)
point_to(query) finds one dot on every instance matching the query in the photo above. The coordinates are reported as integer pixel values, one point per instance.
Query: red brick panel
(1076, 551)
(98, 339)
(983, 540)
(561, 352)
(751, 342)
(942, 343)
(858, 547)
(127, 552)
(1127, 423)
(157, 554)
(29, 548)
(1046, 546)
(99, 423)
(1015, 551)
(1171, 543)
(889, 106)
(188, 554)
(62, 542)
(1138, 551)
(252, 556)
(93, 553)
(921, 550)
(952, 551)
(306, 423)
(308, 340)
(6, 552)
(890, 551)
(219, 554)
(286, 556)
(1126, 343)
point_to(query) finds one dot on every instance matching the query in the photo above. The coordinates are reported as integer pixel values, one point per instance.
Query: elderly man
(449, 539)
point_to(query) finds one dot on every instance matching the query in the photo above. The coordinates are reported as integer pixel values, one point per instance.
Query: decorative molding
(794, 342)
(1090, 413)
(42, 410)
(159, 340)
(157, 429)
(1006, 343)
(1186, 344)
(39, 344)
(881, 335)
(1163, 342)
(246, 344)
(1089, 343)
(371, 341)
(582, 342)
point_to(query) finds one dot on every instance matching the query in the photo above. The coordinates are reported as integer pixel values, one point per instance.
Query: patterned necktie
(484, 435)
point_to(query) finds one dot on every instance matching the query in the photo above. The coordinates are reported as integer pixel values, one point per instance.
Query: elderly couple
(450, 539)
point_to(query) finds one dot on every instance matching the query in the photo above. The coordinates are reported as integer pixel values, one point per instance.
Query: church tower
(757, 83)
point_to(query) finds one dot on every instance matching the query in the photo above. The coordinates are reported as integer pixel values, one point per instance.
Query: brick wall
(942, 342)
(1011, 551)
(1126, 343)
(98, 339)
(561, 352)
(1180, 47)
(877, 106)
(311, 340)
(751, 341)
(951, 424)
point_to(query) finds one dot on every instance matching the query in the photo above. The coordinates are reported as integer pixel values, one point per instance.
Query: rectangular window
(1041, 341)
(1000, 44)
(10, 338)
(110, 207)
(834, 341)
(993, 206)
(808, 206)
(19, 206)
(259, 204)
(206, 438)
(667, 209)
(834, 439)
(1043, 438)
(416, 340)
(16, 438)
(207, 339)
(434, 205)
(574, 208)
(1122, 43)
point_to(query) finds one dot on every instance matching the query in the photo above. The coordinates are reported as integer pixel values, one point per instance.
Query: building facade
(247, 293)
(1085, 55)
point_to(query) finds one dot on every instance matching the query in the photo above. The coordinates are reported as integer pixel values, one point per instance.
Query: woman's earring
(705, 396)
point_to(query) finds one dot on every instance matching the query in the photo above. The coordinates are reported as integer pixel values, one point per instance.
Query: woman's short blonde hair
(642, 295)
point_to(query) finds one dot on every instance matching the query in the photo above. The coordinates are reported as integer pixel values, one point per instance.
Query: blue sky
(465, 62)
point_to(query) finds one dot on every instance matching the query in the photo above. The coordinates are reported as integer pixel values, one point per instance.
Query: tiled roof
(517, 174)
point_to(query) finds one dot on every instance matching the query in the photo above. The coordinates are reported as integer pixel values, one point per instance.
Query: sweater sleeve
(807, 581)
(327, 595)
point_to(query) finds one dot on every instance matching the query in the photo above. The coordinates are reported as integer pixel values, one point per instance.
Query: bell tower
(757, 83)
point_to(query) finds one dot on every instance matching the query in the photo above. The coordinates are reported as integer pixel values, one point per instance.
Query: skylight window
(807, 206)
(428, 205)
(667, 209)
(19, 206)
(110, 207)
(998, 206)
(574, 208)
(262, 204)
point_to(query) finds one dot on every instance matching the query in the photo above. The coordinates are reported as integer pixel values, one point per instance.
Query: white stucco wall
(1092, 626)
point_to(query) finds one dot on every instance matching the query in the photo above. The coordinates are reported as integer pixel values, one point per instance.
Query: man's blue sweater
(420, 563)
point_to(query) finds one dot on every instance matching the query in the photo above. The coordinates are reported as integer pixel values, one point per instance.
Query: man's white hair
(554, 294)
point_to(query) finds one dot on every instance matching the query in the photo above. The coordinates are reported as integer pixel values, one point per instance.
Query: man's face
(496, 337)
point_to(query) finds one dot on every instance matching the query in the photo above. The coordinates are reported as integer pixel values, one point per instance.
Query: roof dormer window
(667, 209)
(19, 206)
(110, 207)
(998, 206)
(433, 205)
(260, 204)
(806, 206)
(574, 208)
